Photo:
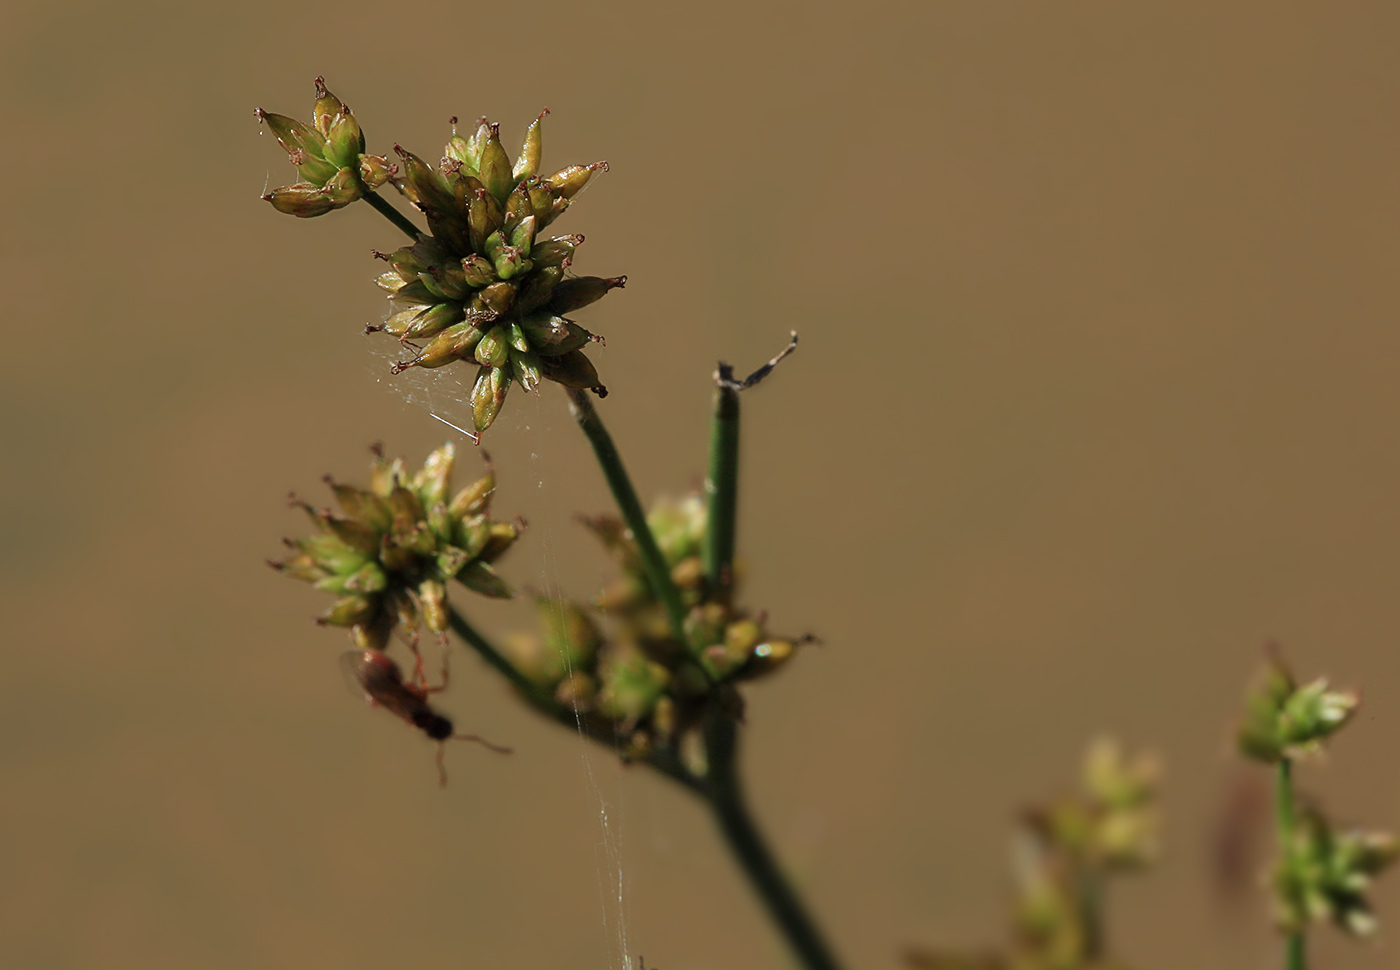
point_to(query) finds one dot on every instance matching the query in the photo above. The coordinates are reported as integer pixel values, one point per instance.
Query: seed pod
(424, 186)
(347, 611)
(432, 599)
(488, 394)
(449, 279)
(525, 368)
(345, 140)
(553, 252)
(434, 321)
(517, 207)
(454, 343)
(510, 262)
(572, 370)
(497, 297)
(500, 537)
(537, 289)
(478, 271)
(541, 199)
(475, 499)
(481, 578)
(493, 350)
(483, 218)
(302, 200)
(494, 170)
(293, 135)
(544, 329)
(461, 149)
(326, 108)
(523, 235)
(516, 337)
(375, 170)
(579, 292)
(574, 338)
(528, 164)
(568, 182)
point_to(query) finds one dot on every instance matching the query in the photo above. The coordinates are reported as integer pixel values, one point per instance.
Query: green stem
(726, 799)
(722, 490)
(1091, 913)
(663, 760)
(381, 205)
(658, 574)
(1295, 955)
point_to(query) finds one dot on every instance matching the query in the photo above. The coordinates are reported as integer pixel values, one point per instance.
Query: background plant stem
(382, 206)
(721, 492)
(1295, 955)
(726, 799)
(658, 575)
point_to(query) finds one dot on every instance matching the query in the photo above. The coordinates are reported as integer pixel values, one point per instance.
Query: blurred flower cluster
(615, 660)
(1062, 855)
(389, 553)
(1321, 872)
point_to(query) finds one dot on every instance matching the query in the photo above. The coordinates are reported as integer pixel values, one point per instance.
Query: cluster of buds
(1324, 874)
(390, 552)
(1063, 853)
(1321, 873)
(1283, 720)
(329, 155)
(645, 687)
(486, 286)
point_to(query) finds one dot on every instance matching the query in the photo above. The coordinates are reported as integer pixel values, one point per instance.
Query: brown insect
(384, 686)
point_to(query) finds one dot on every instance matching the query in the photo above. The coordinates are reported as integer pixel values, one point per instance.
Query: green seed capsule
(554, 252)
(347, 611)
(525, 368)
(459, 149)
(302, 200)
(454, 343)
(432, 597)
(572, 370)
(516, 337)
(579, 292)
(434, 321)
(375, 170)
(541, 199)
(488, 394)
(326, 109)
(293, 135)
(544, 330)
(424, 186)
(478, 271)
(556, 209)
(537, 289)
(574, 338)
(481, 578)
(475, 499)
(569, 182)
(483, 218)
(498, 296)
(493, 349)
(510, 263)
(313, 169)
(495, 167)
(345, 140)
(528, 164)
(523, 235)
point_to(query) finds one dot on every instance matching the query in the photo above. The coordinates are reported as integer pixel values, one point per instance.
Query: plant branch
(726, 799)
(658, 574)
(382, 206)
(1295, 956)
(596, 729)
(722, 480)
(722, 493)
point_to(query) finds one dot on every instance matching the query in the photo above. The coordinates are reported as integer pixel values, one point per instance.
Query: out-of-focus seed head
(391, 549)
(1284, 720)
(487, 256)
(329, 155)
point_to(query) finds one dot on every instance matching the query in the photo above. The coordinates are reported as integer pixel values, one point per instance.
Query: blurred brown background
(1096, 394)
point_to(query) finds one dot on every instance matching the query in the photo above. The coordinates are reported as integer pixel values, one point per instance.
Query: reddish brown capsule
(384, 686)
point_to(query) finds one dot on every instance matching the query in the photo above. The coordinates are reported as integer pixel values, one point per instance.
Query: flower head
(329, 155)
(486, 285)
(389, 553)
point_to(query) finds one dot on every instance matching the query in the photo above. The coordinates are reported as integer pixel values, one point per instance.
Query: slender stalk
(722, 491)
(1091, 913)
(382, 206)
(658, 575)
(726, 799)
(1295, 954)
